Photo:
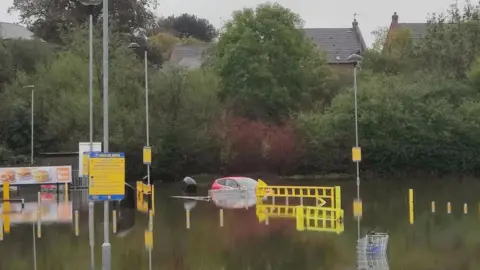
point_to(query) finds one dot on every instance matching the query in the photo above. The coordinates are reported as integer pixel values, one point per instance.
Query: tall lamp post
(356, 151)
(32, 122)
(135, 45)
(355, 59)
(90, 4)
(106, 247)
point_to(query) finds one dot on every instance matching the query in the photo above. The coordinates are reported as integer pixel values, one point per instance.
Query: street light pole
(147, 129)
(135, 45)
(355, 59)
(106, 247)
(91, 229)
(33, 125)
(356, 124)
(32, 122)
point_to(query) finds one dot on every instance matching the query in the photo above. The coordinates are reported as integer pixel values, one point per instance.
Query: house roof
(188, 56)
(14, 31)
(418, 30)
(338, 43)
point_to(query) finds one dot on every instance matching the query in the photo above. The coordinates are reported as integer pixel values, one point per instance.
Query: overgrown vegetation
(265, 101)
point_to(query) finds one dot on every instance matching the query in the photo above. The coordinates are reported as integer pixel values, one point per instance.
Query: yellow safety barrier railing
(325, 196)
(142, 203)
(309, 218)
(319, 219)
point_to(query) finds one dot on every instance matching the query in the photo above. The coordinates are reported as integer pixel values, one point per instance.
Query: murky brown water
(437, 240)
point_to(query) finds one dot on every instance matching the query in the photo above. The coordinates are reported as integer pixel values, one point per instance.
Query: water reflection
(435, 241)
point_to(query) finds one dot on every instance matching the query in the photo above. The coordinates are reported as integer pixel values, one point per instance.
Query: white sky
(315, 13)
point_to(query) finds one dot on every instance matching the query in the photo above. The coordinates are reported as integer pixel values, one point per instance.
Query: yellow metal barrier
(142, 202)
(310, 218)
(325, 196)
(320, 219)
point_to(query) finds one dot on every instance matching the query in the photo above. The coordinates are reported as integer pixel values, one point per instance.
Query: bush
(254, 146)
(420, 121)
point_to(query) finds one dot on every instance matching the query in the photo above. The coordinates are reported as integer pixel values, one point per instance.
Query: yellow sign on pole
(357, 208)
(107, 176)
(147, 155)
(148, 239)
(85, 164)
(356, 154)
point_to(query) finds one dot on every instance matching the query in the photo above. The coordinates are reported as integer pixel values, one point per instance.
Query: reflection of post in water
(221, 217)
(39, 216)
(125, 212)
(188, 205)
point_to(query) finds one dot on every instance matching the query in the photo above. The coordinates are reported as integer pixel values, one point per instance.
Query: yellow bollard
(39, 216)
(410, 206)
(114, 221)
(433, 207)
(77, 231)
(300, 218)
(6, 191)
(465, 208)
(6, 215)
(338, 197)
(449, 208)
(187, 213)
(221, 217)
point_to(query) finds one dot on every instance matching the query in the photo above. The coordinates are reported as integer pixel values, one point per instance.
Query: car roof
(236, 178)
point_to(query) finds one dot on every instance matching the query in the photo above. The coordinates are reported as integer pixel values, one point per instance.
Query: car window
(248, 183)
(221, 182)
(231, 183)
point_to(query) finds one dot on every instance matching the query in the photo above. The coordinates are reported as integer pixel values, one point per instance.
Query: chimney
(394, 19)
(355, 24)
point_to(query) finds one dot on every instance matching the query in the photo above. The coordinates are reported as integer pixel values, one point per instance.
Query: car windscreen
(247, 182)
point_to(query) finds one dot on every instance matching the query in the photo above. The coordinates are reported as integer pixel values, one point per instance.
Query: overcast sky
(315, 13)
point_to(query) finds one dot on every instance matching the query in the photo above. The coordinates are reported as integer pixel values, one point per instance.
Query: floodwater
(437, 240)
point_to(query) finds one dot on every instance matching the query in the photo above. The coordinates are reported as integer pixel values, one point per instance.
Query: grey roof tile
(14, 31)
(188, 55)
(338, 43)
(418, 30)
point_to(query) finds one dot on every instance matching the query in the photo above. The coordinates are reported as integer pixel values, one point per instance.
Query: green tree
(412, 121)
(391, 52)
(267, 66)
(17, 55)
(188, 25)
(452, 41)
(49, 19)
(186, 111)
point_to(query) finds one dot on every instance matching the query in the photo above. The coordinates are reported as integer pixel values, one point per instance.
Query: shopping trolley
(372, 251)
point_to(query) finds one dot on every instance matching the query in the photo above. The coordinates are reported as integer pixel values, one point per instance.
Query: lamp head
(133, 45)
(90, 2)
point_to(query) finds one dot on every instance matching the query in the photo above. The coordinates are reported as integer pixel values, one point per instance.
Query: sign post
(106, 183)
